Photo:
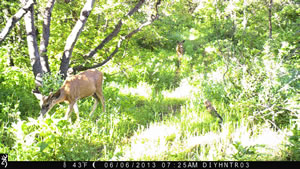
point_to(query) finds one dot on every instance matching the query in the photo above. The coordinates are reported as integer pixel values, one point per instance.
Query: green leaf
(42, 146)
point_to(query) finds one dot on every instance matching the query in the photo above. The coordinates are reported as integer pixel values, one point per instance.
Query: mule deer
(212, 110)
(88, 83)
(180, 52)
(179, 48)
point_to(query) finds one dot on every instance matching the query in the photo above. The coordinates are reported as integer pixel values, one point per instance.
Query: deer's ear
(50, 94)
(39, 96)
(56, 94)
(183, 41)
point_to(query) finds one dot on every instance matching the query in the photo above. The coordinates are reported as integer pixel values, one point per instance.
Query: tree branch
(13, 20)
(72, 39)
(151, 19)
(45, 37)
(115, 32)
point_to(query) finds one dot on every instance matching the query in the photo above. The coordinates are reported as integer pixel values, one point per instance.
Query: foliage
(155, 107)
(51, 83)
(294, 145)
(16, 99)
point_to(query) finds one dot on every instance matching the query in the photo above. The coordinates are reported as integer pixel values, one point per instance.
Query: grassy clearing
(154, 99)
(193, 134)
(172, 126)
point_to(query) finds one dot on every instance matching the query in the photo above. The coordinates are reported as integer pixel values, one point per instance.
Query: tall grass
(144, 128)
(147, 121)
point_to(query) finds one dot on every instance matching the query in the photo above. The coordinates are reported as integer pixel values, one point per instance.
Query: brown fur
(179, 48)
(212, 110)
(88, 83)
(180, 52)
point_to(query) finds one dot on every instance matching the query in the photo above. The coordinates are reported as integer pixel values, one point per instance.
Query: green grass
(144, 123)
(155, 107)
(145, 128)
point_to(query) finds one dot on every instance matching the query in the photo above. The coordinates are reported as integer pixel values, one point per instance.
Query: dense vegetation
(243, 56)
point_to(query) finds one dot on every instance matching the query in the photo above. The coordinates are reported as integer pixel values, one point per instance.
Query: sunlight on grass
(194, 34)
(208, 138)
(190, 134)
(215, 76)
(210, 49)
(151, 142)
(165, 141)
(142, 89)
(185, 90)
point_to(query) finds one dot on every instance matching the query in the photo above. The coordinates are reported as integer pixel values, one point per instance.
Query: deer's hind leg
(100, 96)
(76, 110)
(95, 104)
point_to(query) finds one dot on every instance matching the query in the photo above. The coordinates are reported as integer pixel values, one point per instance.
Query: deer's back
(83, 84)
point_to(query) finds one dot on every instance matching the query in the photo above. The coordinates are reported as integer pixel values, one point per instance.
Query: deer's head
(179, 48)
(46, 102)
(180, 44)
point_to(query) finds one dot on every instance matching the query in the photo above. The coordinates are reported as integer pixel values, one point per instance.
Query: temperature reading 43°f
(79, 164)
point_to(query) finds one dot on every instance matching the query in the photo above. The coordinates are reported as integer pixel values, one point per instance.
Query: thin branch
(106, 40)
(72, 39)
(128, 36)
(115, 32)
(13, 20)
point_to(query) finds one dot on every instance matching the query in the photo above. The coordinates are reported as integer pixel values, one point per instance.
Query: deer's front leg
(69, 111)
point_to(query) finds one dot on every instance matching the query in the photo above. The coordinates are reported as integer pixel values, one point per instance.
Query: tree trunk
(32, 45)
(10, 60)
(71, 41)
(270, 19)
(45, 37)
